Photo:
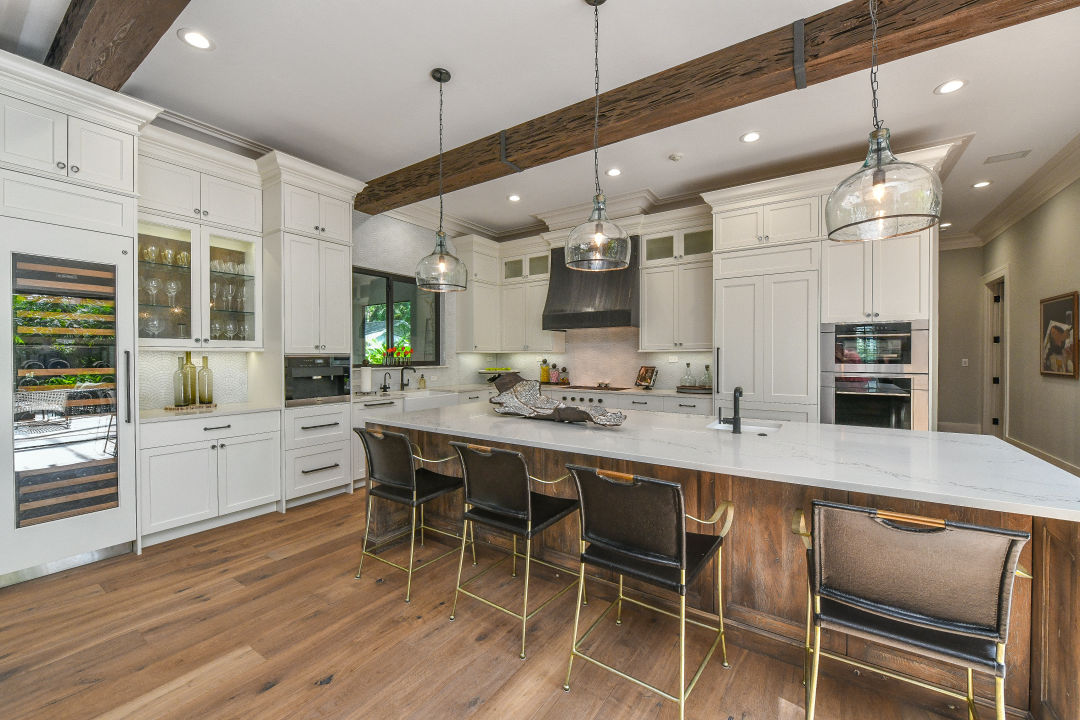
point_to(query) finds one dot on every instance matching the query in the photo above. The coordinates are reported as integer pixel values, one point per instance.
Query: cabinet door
(487, 319)
(101, 155)
(314, 469)
(792, 220)
(171, 293)
(902, 278)
(790, 371)
(658, 249)
(657, 311)
(512, 302)
(33, 136)
(739, 328)
(538, 266)
(694, 307)
(301, 210)
(301, 265)
(249, 472)
(233, 273)
(485, 268)
(169, 188)
(230, 203)
(739, 228)
(513, 269)
(696, 244)
(179, 485)
(335, 219)
(536, 338)
(846, 274)
(335, 298)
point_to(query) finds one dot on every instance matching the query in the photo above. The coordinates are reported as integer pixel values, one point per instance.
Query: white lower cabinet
(689, 404)
(248, 473)
(178, 484)
(363, 410)
(317, 449)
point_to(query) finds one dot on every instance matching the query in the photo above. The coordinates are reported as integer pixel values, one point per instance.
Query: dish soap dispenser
(422, 382)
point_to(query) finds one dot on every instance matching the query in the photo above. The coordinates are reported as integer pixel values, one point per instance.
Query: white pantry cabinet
(318, 296)
(776, 222)
(51, 142)
(879, 281)
(675, 307)
(308, 212)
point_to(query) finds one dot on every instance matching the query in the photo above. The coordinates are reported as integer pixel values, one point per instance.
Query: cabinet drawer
(475, 396)
(374, 408)
(693, 405)
(36, 198)
(307, 426)
(211, 427)
(311, 470)
(642, 402)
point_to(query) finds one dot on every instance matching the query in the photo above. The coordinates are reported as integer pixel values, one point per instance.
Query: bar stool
(937, 588)
(498, 495)
(391, 464)
(636, 526)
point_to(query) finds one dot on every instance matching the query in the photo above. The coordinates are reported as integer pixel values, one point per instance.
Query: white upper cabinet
(880, 281)
(739, 228)
(785, 221)
(230, 203)
(335, 298)
(301, 269)
(658, 308)
(310, 213)
(694, 316)
(335, 219)
(676, 303)
(522, 318)
(47, 141)
(179, 190)
(485, 327)
(484, 268)
(521, 268)
(512, 302)
(677, 246)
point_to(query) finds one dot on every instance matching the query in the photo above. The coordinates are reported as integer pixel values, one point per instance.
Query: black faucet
(404, 382)
(735, 421)
(385, 387)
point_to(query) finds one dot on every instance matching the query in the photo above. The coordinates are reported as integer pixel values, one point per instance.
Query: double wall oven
(876, 374)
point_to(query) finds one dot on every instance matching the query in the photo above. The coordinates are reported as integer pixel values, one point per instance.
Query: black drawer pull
(379, 404)
(474, 397)
(639, 402)
(217, 427)
(316, 427)
(320, 469)
(687, 405)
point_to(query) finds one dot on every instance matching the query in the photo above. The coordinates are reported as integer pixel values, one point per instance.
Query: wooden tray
(694, 389)
(191, 409)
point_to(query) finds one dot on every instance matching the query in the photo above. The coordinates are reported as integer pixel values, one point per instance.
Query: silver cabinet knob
(316, 347)
(205, 212)
(74, 168)
(61, 164)
(206, 341)
(198, 340)
(323, 347)
(221, 444)
(196, 211)
(213, 447)
(316, 227)
(876, 314)
(322, 229)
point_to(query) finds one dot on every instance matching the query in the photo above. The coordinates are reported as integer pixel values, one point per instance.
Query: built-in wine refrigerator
(70, 440)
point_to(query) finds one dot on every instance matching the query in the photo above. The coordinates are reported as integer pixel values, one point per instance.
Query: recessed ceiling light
(945, 225)
(614, 172)
(195, 39)
(981, 184)
(752, 136)
(513, 198)
(948, 87)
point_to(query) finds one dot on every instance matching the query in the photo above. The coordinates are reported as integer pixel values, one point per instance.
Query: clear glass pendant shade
(440, 271)
(887, 197)
(597, 244)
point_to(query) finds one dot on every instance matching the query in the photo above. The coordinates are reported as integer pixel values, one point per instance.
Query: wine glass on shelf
(229, 292)
(167, 256)
(153, 325)
(248, 335)
(215, 329)
(171, 288)
(153, 284)
(215, 290)
(150, 253)
(230, 329)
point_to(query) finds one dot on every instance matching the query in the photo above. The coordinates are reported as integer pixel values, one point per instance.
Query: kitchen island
(769, 471)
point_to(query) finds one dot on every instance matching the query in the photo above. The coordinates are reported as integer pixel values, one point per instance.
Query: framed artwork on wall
(1057, 323)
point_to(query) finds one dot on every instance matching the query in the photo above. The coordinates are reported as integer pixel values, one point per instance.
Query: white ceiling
(345, 84)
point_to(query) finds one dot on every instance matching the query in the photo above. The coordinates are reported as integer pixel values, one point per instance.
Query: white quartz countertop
(158, 415)
(976, 471)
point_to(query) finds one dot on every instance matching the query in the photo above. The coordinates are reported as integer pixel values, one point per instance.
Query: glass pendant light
(598, 243)
(441, 271)
(887, 197)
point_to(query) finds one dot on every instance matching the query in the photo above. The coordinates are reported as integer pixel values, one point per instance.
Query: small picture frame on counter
(1057, 325)
(646, 376)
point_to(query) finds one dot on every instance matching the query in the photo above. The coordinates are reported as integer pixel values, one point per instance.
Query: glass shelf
(222, 273)
(233, 312)
(164, 307)
(165, 266)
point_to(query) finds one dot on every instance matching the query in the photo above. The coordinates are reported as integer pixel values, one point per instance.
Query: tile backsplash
(156, 370)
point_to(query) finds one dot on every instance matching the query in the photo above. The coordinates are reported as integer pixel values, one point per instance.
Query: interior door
(335, 298)
(739, 328)
(69, 428)
(301, 264)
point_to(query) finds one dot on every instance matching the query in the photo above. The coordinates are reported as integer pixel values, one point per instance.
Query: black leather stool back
(389, 458)
(638, 516)
(495, 480)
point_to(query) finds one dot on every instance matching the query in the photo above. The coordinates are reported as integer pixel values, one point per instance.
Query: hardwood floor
(264, 619)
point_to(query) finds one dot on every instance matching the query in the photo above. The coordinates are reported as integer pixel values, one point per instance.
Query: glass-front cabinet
(535, 266)
(198, 287)
(664, 248)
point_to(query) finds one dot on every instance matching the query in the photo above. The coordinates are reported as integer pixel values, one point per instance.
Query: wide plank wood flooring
(264, 619)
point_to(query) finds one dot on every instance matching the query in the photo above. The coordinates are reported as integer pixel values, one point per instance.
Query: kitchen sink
(749, 427)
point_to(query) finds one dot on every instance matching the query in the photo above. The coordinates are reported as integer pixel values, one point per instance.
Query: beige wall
(1042, 252)
(960, 319)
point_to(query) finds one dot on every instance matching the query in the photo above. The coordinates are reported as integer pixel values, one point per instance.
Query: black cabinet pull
(687, 405)
(639, 402)
(379, 404)
(474, 397)
(320, 469)
(217, 427)
(127, 386)
(316, 427)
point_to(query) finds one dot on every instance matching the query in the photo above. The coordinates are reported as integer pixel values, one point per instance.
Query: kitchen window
(394, 322)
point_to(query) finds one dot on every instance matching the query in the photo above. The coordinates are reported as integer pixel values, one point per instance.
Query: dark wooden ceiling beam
(103, 41)
(836, 43)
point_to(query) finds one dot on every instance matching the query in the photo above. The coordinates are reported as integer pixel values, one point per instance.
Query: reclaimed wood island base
(764, 569)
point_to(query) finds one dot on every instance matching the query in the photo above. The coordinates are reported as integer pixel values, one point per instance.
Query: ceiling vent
(1006, 157)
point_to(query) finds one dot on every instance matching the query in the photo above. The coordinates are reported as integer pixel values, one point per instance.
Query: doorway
(995, 353)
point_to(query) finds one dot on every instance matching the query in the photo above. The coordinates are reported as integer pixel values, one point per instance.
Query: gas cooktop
(598, 388)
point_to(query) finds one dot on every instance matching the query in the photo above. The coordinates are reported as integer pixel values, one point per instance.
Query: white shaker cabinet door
(791, 338)
(169, 188)
(657, 311)
(231, 203)
(739, 329)
(101, 155)
(33, 137)
(847, 282)
(536, 338)
(179, 485)
(792, 220)
(694, 308)
(902, 278)
(335, 298)
(512, 302)
(249, 472)
(335, 219)
(739, 228)
(486, 317)
(301, 266)
(301, 211)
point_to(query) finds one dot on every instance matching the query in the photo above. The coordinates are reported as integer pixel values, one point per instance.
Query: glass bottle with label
(191, 391)
(688, 379)
(206, 383)
(178, 383)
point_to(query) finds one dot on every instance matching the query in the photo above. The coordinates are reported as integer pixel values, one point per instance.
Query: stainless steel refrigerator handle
(127, 386)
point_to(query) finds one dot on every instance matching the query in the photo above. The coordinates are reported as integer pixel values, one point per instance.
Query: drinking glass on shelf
(215, 329)
(153, 325)
(215, 290)
(229, 291)
(183, 258)
(171, 288)
(239, 298)
(230, 329)
(153, 284)
(248, 335)
(230, 267)
(150, 253)
(167, 256)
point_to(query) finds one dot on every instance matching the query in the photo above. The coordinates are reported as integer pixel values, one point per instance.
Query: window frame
(390, 279)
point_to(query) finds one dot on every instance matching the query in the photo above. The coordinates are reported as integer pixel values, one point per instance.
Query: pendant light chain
(440, 158)
(874, 63)
(596, 96)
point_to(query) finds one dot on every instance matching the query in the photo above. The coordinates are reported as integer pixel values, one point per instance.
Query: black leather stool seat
(546, 511)
(700, 549)
(429, 485)
(949, 647)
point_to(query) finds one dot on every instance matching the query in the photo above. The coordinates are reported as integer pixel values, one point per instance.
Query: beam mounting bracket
(502, 151)
(798, 61)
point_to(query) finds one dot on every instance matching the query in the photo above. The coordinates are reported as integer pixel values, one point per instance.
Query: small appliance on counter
(316, 379)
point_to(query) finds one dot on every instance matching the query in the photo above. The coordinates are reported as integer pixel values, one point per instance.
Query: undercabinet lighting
(513, 198)
(948, 87)
(195, 39)
(945, 225)
(750, 137)
(981, 184)
(614, 172)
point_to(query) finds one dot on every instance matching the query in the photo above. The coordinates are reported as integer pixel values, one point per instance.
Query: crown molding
(960, 241)
(679, 219)
(1058, 173)
(224, 138)
(187, 152)
(276, 166)
(453, 225)
(27, 80)
(625, 205)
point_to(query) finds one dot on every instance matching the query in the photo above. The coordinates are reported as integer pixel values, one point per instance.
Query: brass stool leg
(682, 653)
(807, 650)
(720, 603)
(812, 689)
(412, 548)
(472, 527)
(367, 529)
(577, 619)
(421, 526)
(513, 572)
(525, 605)
(618, 610)
(461, 561)
(999, 685)
(970, 698)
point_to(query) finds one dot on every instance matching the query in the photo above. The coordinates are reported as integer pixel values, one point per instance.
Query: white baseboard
(197, 527)
(1042, 455)
(955, 427)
